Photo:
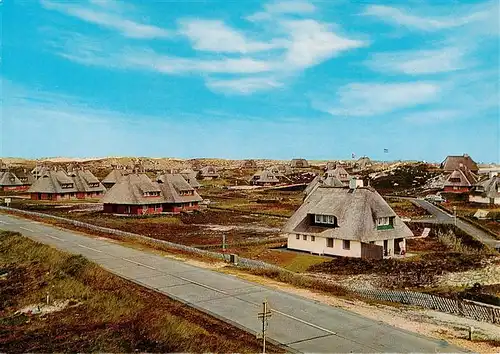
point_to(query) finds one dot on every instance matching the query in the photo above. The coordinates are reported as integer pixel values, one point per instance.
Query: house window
(297, 237)
(346, 244)
(329, 242)
(313, 238)
(385, 223)
(325, 219)
(304, 237)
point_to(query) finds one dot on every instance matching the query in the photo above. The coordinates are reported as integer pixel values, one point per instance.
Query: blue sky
(238, 79)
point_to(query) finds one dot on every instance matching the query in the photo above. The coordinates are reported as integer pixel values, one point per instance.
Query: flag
(386, 151)
(353, 155)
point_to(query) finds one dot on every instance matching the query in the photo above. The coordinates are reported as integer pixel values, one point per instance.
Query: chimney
(352, 183)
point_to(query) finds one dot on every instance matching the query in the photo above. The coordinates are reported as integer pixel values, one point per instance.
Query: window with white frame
(382, 221)
(329, 242)
(313, 238)
(325, 219)
(297, 237)
(304, 237)
(346, 244)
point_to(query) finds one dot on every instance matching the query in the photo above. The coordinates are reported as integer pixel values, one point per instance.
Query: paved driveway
(300, 324)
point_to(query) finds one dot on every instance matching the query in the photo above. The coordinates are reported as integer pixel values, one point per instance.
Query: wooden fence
(464, 308)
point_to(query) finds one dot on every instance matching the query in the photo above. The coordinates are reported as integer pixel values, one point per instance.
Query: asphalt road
(440, 216)
(299, 324)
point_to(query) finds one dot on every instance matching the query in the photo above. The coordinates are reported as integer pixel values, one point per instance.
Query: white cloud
(243, 86)
(273, 9)
(418, 62)
(313, 42)
(83, 50)
(483, 15)
(213, 35)
(372, 99)
(126, 27)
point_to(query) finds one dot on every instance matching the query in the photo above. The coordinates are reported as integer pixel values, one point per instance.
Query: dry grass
(111, 315)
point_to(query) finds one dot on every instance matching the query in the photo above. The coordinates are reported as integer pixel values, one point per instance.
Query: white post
(455, 215)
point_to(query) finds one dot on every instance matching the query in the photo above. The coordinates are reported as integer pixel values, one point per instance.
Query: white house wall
(319, 246)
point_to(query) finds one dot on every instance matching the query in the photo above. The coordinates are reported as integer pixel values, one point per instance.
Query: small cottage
(486, 192)
(349, 222)
(134, 194)
(208, 173)
(10, 182)
(87, 185)
(248, 164)
(178, 194)
(460, 180)
(299, 163)
(264, 178)
(452, 163)
(329, 179)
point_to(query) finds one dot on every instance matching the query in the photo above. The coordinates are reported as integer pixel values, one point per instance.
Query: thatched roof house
(10, 182)
(460, 181)
(25, 177)
(351, 222)
(178, 193)
(249, 164)
(299, 163)
(362, 163)
(58, 185)
(137, 194)
(86, 182)
(208, 173)
(452, 163)
(486, 192)
(340, 173)
(329, 179)
(264, 178)
(134, 194)
(39, 171)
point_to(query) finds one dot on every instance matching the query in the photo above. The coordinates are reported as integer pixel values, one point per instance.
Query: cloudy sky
(235, 79)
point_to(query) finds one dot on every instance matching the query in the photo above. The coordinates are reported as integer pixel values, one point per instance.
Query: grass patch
(110, 315)
(301, 262)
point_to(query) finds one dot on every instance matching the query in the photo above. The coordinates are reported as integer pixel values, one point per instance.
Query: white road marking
(54, 237)
(141, 264)
(23, 228)
(89, 248)
(3, 222)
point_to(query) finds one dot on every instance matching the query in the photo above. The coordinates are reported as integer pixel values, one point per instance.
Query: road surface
(442, 217)
(299, 324)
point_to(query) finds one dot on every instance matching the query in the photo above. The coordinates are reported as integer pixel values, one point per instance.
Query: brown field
(406, 209)
(102, 312)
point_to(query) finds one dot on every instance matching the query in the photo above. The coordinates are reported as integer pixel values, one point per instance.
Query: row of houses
(137, 194)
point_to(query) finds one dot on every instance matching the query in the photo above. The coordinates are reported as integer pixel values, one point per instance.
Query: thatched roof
(114, 176)
(134, 189)
(25, 177)
(452, 163)
(9, 179)
(340, 173)
(329, 179)
(489, 188)
(85, 181)
(175, 189)
(265, 176)
(52, 182)
(208, 171)
(299, 163)
(356, 211)
(461, 178)
(190, 176)
(249, 164)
